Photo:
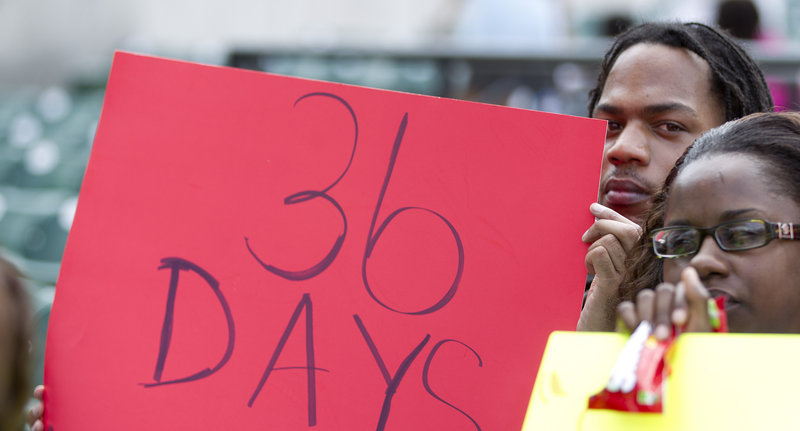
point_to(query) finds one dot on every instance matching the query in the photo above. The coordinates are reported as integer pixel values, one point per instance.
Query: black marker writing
(427, 367)
(391, 382)
(305, 303)
(308, 195)
(372, 239)
(176, 265)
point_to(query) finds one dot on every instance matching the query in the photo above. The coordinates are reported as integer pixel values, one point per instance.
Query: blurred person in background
(15, 333)
(661, 85)
(739, 18)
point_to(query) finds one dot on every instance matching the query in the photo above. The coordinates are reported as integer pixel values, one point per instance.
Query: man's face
(657, 100)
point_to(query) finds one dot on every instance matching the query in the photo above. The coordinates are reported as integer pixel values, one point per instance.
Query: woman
(726, 224)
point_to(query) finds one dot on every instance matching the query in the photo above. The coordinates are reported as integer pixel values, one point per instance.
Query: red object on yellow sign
(262, 252)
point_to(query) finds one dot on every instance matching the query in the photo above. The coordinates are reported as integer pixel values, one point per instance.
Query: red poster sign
(261, 252)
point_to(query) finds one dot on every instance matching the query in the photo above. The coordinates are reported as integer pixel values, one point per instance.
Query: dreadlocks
(735, 77)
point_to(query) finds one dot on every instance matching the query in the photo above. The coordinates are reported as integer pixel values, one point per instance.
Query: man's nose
(630, 146)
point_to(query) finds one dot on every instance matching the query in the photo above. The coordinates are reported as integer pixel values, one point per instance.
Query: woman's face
(762, 285)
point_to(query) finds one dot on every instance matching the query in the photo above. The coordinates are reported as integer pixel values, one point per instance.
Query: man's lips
(624, 192)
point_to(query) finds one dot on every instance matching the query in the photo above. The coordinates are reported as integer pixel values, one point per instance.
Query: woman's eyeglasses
(736, 235)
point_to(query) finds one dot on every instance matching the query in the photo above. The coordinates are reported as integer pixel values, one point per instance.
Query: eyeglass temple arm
(785, 231)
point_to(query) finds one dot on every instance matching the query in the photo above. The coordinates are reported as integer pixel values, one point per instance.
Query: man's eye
(671, 127)
(614, 126)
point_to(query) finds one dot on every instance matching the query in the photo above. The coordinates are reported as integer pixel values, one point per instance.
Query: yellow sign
(718, 381)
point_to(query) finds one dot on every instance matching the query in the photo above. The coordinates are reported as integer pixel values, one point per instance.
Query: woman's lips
(730, 301)
(624, 192)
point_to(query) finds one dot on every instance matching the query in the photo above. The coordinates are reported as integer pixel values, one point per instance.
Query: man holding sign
(661, 86)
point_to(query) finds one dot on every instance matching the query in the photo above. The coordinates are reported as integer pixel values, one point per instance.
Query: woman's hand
(684, 305)
(36, 413)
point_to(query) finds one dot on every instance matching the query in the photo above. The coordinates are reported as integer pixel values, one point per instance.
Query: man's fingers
(594, 254)
(627, 232)
(606, 258)
(35, 413)
(626, 312)
(602, 213)
(38, 392)
(605, 213)
(616, 252)
(599, 311)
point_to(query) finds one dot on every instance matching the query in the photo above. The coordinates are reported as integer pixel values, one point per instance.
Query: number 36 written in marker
(177, 266)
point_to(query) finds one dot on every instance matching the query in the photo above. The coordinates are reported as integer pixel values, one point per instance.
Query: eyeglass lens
(737, 235)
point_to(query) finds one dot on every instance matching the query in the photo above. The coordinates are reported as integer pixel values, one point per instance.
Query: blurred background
(534, 54)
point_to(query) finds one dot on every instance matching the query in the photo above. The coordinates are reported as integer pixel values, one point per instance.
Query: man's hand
(611, 237)
(36, 413)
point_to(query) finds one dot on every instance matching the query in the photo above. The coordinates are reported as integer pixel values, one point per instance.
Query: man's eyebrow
(605, 107)
(650, 109)
(670, 107)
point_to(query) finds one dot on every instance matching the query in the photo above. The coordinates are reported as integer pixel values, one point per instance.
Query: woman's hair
(19, 321)
(735, 78)
(771, 139)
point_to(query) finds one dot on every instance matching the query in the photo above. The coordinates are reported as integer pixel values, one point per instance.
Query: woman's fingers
(683, 305)
(662, 311)
(644, 305)
(680, 313)
(697, 299)
(626, 312)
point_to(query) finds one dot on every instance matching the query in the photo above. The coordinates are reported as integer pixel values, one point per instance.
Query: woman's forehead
(714, 185)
